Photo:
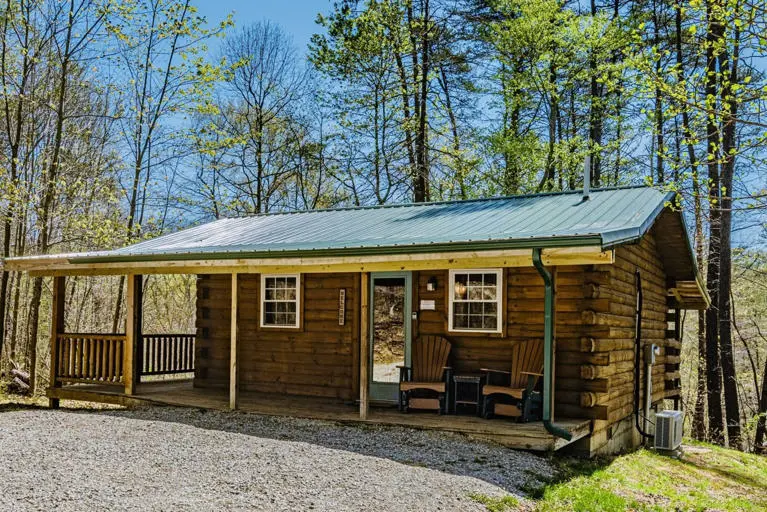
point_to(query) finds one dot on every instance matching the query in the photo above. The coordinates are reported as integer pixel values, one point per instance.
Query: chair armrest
(532, 380)
(496, 377)
(490, 370)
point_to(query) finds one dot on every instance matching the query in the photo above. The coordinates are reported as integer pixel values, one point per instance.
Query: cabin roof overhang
(686, 289)
(501, 232)
(412, 258)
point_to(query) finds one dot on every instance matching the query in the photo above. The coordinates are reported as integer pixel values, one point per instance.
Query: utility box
(668, 430)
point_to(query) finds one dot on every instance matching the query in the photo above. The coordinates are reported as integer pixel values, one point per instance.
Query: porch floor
(527, 436)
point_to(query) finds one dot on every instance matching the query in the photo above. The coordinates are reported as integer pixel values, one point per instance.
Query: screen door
(390, 303)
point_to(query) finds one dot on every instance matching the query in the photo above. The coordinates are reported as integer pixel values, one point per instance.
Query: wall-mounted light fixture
(431, 284)
(460, 289)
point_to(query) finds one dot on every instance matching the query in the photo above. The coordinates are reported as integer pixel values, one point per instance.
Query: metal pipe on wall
(548, 349)
(637, 356)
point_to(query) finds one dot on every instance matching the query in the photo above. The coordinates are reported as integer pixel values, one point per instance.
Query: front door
(390, 300)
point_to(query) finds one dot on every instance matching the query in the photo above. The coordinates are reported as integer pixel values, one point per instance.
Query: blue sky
(296, 17)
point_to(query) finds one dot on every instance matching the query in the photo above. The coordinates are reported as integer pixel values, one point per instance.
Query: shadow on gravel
(13, 406)
(514, 471)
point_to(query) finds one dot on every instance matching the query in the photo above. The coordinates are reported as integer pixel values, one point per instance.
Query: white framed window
(281, 300)
(475, 300)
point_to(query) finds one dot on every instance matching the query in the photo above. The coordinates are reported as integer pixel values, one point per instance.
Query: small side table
(467, 391)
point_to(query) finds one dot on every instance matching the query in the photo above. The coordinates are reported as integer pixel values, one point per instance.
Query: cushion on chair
(431, 404)
(503, 390)
(439, 387)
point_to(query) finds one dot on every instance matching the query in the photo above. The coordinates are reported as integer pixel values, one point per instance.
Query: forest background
(124, 120)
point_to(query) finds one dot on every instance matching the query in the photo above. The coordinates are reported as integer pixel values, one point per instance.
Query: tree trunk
(15, 328)
(699, 413)
(32, 329)
(48, 197)
(549, 174)
(14, 140)
(406, 114)
(421, 84)
(729, 105)
(595, 117)
(714, 373)
(459, 171)
(511, 115)
(761, 424)
(660, 144)
(141, 141)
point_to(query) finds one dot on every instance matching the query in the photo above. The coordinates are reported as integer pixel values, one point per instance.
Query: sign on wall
(341, 306)
(428, 305)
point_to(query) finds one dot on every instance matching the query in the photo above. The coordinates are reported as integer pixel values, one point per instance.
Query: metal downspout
(548, 348)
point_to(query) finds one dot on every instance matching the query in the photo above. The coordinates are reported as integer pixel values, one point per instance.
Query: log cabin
(309, 313)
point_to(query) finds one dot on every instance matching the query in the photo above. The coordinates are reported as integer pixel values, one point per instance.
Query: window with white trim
(475, 300)
(280, 300)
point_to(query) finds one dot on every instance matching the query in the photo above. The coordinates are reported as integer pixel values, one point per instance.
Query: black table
(467, 391)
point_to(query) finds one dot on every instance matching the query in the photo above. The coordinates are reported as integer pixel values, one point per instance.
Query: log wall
(595, 307)
(211, 367)
(524, 302)
(594, 334)
(607, 380)
(318, 359)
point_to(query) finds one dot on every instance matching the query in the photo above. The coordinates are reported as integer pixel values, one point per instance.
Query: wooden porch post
(364, 343)
(233, 370)
(132, 348)
(57, 327)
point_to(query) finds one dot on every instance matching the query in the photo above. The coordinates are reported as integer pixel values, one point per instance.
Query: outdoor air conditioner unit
(668, 430)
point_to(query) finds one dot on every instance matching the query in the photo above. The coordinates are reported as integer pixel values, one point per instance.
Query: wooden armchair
(425, 385)
(513, 393)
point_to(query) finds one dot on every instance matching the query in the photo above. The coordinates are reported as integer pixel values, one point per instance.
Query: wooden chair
(425, 385)
(513, 393)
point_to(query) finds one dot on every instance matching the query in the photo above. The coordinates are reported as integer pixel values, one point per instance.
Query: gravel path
(164, 458)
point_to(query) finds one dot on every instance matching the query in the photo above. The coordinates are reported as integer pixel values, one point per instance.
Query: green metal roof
(608, 218)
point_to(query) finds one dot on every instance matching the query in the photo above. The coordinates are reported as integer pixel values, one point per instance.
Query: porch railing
(167, 354)
(95, 358)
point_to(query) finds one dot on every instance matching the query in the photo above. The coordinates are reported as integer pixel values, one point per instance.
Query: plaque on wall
(341, 306)
(428, 305)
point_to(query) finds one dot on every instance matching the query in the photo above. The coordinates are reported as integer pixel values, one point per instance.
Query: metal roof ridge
(437, 203)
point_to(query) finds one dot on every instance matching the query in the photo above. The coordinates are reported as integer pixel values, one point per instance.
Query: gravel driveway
(165, 458)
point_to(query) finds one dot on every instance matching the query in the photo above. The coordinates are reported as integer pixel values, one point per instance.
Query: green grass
(706, 477)
(496, 504)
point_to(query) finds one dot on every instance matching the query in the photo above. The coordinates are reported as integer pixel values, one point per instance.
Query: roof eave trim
(546, 242)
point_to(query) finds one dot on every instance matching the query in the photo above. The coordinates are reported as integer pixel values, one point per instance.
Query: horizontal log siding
(594, 333)
(523, 321)
(469, 352)
(316, 360)
(613, 332)
(211, 367)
